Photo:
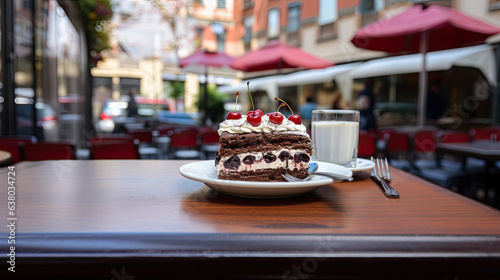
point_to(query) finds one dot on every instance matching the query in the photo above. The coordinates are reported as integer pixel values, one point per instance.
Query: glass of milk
(334, 135)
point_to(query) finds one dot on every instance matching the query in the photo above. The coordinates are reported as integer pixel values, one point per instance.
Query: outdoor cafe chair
(209, 143)
(47, 151)
(11, 144)
(184, 145)
(117, 149)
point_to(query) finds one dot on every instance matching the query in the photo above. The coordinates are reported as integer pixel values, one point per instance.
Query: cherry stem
(248, 86)
(276, 98)
(236, 103)
(282, 104)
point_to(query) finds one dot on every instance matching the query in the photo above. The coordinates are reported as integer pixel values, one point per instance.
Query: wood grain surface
(144, 215)
(151, 196)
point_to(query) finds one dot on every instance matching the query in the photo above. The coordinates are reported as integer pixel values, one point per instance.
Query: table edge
(166, 245)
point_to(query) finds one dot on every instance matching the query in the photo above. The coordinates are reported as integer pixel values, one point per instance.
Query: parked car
(178, 118)
(47, 121)
(114, 118)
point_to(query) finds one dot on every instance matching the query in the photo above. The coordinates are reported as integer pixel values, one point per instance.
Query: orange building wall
(309, 8)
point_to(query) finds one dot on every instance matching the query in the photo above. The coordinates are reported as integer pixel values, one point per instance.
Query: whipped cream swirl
(266, 126)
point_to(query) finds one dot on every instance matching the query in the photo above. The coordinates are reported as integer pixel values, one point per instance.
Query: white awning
(315, 76)
(268, 84)
(481, 57)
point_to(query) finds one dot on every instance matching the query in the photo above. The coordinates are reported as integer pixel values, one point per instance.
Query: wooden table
(5, 158)
(481, 149)
(119, 219)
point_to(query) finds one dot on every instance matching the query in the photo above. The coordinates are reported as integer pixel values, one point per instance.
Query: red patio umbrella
(206, 59)
(277, 55)
(423, 28)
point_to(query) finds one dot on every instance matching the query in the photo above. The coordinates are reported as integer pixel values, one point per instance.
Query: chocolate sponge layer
(231, 144)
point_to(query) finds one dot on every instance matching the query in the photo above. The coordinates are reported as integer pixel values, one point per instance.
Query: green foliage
(96, 15)
(215, 107)
(175, 89)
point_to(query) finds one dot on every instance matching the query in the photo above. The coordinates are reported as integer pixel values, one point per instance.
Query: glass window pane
(293, 19)
(273, 23)
(327, 11)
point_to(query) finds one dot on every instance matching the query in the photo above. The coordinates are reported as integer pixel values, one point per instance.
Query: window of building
(247, 23)
(327, 12)
(221, 4)
(293, 22)
(369, 6)
(369, 10)
(247, 4)
(494, 5)
(221, 41)
(273, 23)
(327, 16)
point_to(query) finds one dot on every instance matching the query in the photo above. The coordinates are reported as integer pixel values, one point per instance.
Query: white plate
(362, 165)
(204, 171)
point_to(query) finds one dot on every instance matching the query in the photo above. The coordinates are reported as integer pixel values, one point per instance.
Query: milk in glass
(335, 142)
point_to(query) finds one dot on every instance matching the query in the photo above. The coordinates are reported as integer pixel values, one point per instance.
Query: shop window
(221, 4)
(221, 41)
(248, 4)
(369, 10)
(494, 5)
(293, 26)
(273, 23)
(247, 39)
(127, 84)
(328, 14)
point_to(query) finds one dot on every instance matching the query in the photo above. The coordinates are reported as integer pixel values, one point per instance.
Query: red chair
(453, 137)
(397, 143)
(166, 130)
(119, 149)
(145, 138)
(111, 137)
(144, 135)
(424, 141)
(490, 133)
(366, 144)
(184, 145)
(397, 148)
(210, 143)
(47, 151)
(11, 145)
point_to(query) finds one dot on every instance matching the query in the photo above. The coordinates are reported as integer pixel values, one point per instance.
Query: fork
(380, 174)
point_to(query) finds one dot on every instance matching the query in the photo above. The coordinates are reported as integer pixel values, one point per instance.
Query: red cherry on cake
(276, 118)
(233, 116)
(295, 119)
(253, 118)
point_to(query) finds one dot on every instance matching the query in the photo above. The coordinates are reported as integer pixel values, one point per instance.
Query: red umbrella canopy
(447, 29)
(277, 55)
(207, 58)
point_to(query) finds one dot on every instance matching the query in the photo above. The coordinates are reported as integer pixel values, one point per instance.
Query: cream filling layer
(260, 162)
(266, 126)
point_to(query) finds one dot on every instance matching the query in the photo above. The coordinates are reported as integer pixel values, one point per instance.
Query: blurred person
(366, 104)
(337, 102)
(132, 109)
(305, 111)
(436, 106)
